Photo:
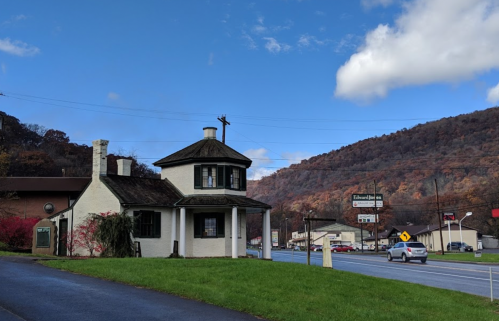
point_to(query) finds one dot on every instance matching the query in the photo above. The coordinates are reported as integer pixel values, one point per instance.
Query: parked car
(313, 247)
(318, 248)
(358, 247)
(342, 248)
(457, 245)
(408, 251)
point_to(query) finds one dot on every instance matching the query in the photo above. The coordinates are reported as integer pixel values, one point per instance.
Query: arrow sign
(405, 236)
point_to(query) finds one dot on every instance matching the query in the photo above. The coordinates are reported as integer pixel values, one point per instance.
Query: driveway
(30, 291)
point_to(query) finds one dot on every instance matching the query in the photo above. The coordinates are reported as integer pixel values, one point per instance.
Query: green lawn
(466, 257)
(287, 291)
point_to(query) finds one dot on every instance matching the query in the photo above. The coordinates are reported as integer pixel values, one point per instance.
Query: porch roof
(221, 200)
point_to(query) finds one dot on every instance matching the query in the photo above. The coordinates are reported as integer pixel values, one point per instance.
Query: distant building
(336, 233)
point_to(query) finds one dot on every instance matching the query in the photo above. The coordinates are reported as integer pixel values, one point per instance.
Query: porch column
(181, 243)
(234, 232)
(267, 254)
(174, 226)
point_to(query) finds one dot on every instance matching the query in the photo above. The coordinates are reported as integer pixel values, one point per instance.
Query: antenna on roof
(224, 122)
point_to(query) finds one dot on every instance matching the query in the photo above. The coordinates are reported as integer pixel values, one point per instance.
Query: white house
(200, 201)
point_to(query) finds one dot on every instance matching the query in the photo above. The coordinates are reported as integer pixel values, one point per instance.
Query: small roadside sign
(405, 236)
(366, 218)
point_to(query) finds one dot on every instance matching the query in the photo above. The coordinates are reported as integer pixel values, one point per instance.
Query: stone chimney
(99, 163)
(210, 133)
(124, 167)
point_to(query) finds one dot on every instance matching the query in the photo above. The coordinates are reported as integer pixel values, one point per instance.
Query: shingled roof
(221, 200)
(46, 184)
(205, 150)
(142, 191)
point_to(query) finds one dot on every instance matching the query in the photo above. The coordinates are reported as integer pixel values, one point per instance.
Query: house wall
(214, 247)
(157, 247)
(182, 177)
(30, 204)
(95, 199)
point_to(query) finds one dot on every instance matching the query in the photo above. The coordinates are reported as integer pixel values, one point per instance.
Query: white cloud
(432, 41)
(113, 96)
(308, 41)
(493, 94)
(295, 157)
(274, 46)
(260, 160)
(13, 19)
(250, 43)
(258, 29)
(18, 48)
(368, 4)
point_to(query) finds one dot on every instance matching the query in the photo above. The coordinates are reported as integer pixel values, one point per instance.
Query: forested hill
(33, 150)
(456, 156)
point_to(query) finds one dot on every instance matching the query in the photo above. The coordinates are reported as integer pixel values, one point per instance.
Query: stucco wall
(217, 247)
(157, 247)
(95, 199)
(183, 178)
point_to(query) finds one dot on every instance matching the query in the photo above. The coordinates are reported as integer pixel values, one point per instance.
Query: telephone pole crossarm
(224, 123)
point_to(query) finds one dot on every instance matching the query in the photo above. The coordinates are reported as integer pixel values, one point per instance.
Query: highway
(465, 277)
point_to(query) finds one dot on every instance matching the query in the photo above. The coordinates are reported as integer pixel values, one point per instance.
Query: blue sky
(294, 78)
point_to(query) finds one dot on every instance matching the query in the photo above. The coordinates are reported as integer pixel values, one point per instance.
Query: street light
(460, 232)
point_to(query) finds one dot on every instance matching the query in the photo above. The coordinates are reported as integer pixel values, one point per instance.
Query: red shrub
(17, 232)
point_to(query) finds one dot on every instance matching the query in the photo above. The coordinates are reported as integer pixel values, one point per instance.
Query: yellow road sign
(405, 236)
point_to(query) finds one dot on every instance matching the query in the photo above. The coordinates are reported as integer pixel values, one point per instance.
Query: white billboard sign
(367, 200)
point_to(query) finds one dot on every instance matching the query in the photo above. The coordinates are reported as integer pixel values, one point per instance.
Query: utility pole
(309, 219)
(224, 123)
(439, 219)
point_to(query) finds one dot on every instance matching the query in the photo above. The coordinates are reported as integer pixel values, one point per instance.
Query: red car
(341, 248)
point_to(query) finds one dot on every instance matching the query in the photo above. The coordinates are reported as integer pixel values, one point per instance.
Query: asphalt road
(464, 277)
(30, 291)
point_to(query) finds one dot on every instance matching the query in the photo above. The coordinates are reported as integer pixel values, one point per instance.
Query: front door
(63, 231)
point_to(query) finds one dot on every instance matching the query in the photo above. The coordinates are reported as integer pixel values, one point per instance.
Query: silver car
(408, 251)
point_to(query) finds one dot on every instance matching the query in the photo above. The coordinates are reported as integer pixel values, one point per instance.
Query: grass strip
(466, 257)
(286, 291)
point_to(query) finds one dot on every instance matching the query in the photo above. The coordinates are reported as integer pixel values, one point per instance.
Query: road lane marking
(427, 272)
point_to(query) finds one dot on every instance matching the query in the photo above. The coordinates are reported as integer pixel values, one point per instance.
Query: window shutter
(136, 224)
(220, 176)
(221, 225)
(243, 179)
(198, 219)
(157, 224)
(197, 176)
(227, 176)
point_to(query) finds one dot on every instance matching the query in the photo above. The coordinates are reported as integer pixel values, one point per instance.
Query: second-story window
(209, 176)
(220, 176)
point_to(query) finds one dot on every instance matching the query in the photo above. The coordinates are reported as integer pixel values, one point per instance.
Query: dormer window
(219, 176)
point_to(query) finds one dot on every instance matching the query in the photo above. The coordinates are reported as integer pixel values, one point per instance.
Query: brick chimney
(99, 162)
(124, 167)
(210, 133)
